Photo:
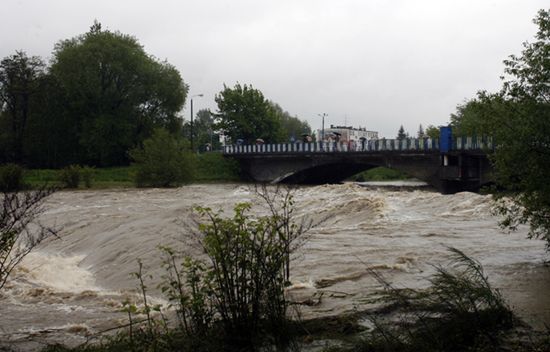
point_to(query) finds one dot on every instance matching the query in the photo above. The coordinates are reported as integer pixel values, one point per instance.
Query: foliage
(11, 178)
(115, 93)
(420, 133)
(291, 126)
(244, 113)
(401, 133)
(101, 96)
(215, 167)
(204, 131)
(70, 176)
(87, 174)
(162, 161)
(459, 312)
(100, 177)
(518, 118)
(432, 132)
(20, 230)
(250, 268)
(20, 82)
(379, 174)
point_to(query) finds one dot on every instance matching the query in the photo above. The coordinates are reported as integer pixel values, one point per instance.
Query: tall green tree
(204, 130)
(518, 118)
(401, 133)
(291, 126)
(244, 113)
(420, 133)
(20, 83)
(163, 161)
(115, 93)
(432, 132)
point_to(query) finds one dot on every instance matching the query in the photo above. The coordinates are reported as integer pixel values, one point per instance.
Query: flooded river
(72, 287)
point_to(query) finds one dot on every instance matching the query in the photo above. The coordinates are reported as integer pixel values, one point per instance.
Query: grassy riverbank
(210, 167)
(379, 174)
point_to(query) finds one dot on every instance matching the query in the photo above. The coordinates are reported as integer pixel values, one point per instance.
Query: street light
(196, 95)
(323, 115)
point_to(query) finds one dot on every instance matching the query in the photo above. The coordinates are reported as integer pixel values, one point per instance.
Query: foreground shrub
(11, 177)
(20, 231)
(236, 299)
(459, 312)
(87, 174)
(162, 161)
(69, 177)
(215, 167)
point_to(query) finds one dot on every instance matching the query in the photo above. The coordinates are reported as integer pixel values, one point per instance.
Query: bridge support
(449, 172)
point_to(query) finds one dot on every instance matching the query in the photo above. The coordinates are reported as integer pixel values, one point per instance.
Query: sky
(377, 64)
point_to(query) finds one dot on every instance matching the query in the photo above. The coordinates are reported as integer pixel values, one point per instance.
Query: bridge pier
(461, 171)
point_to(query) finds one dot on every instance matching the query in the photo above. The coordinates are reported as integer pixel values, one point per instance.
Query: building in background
(346, 134)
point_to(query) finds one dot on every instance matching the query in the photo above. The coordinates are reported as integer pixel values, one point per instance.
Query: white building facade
(346, 134)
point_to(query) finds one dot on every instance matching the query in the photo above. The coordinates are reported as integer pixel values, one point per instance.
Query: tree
(401, 133)
(244, 113)
(163, 161)
(204, 130)
(420, 133)
(20, 78)
(115, 93)
(291, 126)
(518, 118)
(432, 132)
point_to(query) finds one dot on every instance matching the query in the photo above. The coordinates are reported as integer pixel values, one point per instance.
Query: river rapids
(72, 287)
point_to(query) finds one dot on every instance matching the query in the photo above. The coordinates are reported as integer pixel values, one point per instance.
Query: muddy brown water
(72, 287)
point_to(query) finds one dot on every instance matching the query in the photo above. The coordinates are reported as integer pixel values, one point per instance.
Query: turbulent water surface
(72, 287)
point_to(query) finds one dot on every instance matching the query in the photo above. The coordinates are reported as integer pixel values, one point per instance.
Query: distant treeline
(102, 95)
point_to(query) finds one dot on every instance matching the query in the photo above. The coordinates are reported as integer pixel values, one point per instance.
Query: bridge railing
(473, 143)
(378, 145)
(409, 144)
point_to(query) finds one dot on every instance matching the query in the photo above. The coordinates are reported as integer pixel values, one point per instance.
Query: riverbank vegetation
(206, 167)
(518, 119)
(20, 229)
(379, 174)
(459, 311)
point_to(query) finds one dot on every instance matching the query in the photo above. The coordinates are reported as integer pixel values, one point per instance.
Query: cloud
(372, 63)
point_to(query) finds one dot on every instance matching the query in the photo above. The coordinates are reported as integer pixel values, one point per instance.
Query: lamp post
(196, 95)
(323, 115)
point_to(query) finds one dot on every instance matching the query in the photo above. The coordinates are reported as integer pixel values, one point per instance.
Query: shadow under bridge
(320, 168)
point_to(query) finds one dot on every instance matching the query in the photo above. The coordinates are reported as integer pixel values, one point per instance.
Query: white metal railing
(411, 144)
(378, 145)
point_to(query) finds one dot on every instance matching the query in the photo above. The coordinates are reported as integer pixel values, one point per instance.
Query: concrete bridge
(448, 165)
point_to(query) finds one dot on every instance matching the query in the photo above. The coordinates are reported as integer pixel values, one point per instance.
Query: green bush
(215, 167)
(70, 176)
(11, 178)
(379, 174)
(459, 312)
(235, 301)
(87, 174)
(162, 161)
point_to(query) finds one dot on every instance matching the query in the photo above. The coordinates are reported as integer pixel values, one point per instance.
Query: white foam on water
(61, 273)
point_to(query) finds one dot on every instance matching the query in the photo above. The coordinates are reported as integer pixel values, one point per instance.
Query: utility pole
(192, 132)
(323, 115)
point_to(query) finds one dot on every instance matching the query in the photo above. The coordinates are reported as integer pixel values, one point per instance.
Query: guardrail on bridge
(378, 145)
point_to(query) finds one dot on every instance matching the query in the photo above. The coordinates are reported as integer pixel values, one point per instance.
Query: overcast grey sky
(371, 63)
